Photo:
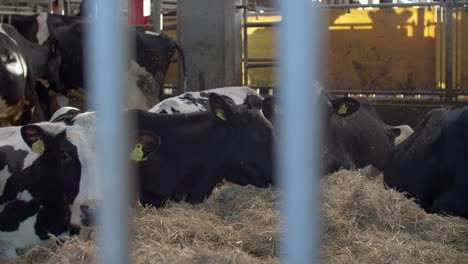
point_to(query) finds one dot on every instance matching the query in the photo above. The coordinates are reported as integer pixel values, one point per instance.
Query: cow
(146, 68)
(198, 101)
(193, 152)
(353, 135)
(183, 156)
(39, 176)
(430, 165)
(21, 63)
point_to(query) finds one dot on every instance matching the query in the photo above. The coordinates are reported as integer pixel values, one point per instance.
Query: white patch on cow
(61, 111)
(24, 196)
(61, 100)
(4, 175)
(43, 30)
(7, 252)
(23, 237)
(138, 98)
(83, 135)
(152, 33)
(16, 66)
(181, 105)
(405, 132)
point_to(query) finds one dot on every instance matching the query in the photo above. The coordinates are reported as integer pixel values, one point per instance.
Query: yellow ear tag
(137, 153)
(343, 109)
(38, 147)
(221, 115)
(44, 82)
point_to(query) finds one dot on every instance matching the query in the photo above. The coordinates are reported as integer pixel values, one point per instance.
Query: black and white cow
(430, 164)
(198, 101)
(193, 152)
(146, 68)
(183, 156)
(353, 134)
(21, 63)
(39, 176)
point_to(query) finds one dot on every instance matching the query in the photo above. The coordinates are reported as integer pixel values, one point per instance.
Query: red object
(135, 12)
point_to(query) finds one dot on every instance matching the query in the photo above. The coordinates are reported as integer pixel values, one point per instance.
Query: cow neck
(39, 64)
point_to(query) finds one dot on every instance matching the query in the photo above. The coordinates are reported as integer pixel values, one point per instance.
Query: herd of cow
(184, 146)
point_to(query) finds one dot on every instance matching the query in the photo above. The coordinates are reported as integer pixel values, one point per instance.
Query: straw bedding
(362, 222)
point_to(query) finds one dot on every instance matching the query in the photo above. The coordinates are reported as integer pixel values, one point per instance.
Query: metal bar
(260, 65)
(260, 60)
(245, 46)
(61, 7)
(262, 24)
(448, 49)
(156, 15)
(17, 13)
(105, 45)
(297, 147)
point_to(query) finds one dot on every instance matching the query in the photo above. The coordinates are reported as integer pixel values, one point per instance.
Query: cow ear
(345, 106)
(220, 107)
(146, 143)
(252, 101)
(33, 136)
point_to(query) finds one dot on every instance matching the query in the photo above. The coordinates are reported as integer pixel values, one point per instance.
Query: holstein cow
(193, 152)
(21, 63)
(39, 176)
(198, 101)
(183, 156)
(430, 165)
(353, 134)
(146, 68)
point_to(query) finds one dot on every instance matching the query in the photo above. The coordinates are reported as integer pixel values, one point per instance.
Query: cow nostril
(85, 209)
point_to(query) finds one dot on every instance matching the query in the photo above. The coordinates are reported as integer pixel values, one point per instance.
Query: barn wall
(366, 49)
(370, 49)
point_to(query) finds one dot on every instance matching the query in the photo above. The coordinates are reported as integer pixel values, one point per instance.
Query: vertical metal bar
(246, 43)
(61, 7)
(448, 49)
(299, 144)
(156, 15)
(105, 47)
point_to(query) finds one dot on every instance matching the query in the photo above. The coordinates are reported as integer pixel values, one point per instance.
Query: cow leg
(7, 252)
(44, 102)
(203, 188)
(452, 202)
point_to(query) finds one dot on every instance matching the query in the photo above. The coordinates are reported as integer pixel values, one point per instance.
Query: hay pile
(362, 223)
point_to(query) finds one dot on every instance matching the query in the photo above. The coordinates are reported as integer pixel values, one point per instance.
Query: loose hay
(362, 222)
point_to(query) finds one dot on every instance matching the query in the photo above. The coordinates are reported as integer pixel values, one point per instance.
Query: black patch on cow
(12, 158)
(175, 111)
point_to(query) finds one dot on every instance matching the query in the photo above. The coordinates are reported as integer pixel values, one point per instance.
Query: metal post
(246, 43)
(298, 146)
(448, 49)
(61, 7)
(156, 15)
(105, 47)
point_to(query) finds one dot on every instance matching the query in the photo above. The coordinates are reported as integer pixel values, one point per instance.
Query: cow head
(56, 173)
(82, 134)
(249, 147)
(54, 63)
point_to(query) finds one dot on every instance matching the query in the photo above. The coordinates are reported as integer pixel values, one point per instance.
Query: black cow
(39, 177)
(146, 68)
(353, 134)
(21, 63)
(430, 164)
(195, 151)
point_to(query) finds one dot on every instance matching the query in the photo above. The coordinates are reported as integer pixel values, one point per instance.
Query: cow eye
(64, 155)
